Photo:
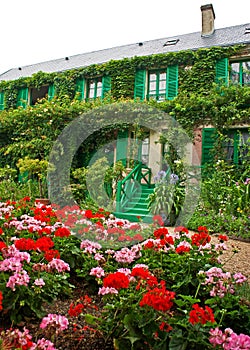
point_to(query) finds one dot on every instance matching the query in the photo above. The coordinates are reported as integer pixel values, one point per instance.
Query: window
(1, 101)
(30, 96)
(235, 146)
(240, 72)
(139, 148)
(161, 84)
(95, 88)
(42, 92)
(157, 82)
(145, 151)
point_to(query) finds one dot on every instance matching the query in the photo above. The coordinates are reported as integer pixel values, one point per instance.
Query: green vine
(32, 131)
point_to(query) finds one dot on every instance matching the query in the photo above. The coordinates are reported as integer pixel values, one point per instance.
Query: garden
(77, 277)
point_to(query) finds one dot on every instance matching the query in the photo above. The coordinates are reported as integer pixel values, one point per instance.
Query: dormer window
(171, 42)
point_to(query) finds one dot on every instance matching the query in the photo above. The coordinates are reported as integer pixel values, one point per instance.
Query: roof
(228, 36)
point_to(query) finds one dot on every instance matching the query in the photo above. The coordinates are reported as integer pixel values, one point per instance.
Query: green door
(122, 146)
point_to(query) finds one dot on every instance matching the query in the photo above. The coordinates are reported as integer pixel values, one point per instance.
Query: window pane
(99, 91)
(244, 145)
(152, 86)
(91, 93)
(235, 73)
(152, 77)
(145, 151)
(162, 85)
(163, 76)
(246, 73)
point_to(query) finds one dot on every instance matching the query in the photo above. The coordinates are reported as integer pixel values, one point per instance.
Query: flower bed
(159, 289)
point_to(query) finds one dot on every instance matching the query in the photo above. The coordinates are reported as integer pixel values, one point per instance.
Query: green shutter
(51, 92)
(140, 79)
(208, 141)
(106, 85)
(1, 101)
(22, 97)
(172, 82)
(122, 146)
(221, 71)
(80, 85)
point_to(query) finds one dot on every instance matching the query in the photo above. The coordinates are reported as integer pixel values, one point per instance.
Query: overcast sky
(36, 31)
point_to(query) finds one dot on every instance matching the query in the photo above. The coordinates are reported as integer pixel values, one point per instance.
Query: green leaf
(177, 343)
(90, 319)
(132, 340)
(189, 298)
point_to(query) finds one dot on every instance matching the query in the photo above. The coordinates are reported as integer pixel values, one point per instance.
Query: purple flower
(174, 179)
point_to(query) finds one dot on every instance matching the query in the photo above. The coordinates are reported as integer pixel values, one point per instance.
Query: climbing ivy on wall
(31, 131)
(122, 72)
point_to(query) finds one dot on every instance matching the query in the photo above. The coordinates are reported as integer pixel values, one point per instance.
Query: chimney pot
(208, 17)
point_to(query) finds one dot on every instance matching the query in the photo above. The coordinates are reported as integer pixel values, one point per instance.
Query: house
(152, 70)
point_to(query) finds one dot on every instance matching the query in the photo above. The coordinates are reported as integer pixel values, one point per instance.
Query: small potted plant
(36, 169)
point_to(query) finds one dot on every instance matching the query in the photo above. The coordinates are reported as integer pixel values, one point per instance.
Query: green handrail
(128, 187)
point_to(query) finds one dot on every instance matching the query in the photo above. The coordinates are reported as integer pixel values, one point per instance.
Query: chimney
(208, 17)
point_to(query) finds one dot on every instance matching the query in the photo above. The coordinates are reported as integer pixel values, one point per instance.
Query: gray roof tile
(221, 37)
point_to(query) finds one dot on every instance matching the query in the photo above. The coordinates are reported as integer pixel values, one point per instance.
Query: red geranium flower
(62, 232)
(202, 229)
(157, 219)
(137, 237)
(116, 280)
(201, 315)
(161, 233)
(222, 238)
(158, 298)
(44, 231)
(182, 249)
(165, 327)
(44, 243)
(75, 310)
(51, 254)
(201, 238)
(149, 245)
(88, 214)
(25, 244)
(167, 240)
(2, 245)
(181, 229)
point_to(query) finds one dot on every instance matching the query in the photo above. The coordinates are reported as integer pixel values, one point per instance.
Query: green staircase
(132, 195)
